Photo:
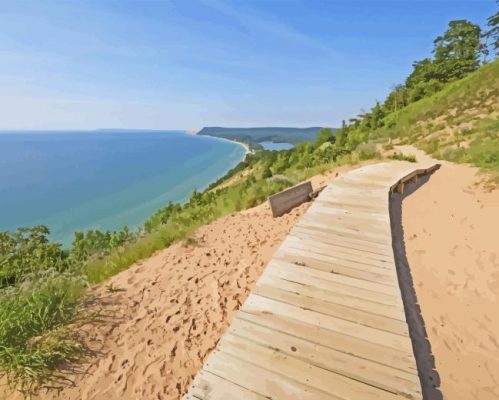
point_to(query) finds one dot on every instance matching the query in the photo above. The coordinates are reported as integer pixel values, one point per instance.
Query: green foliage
(267, 173)
(451, 80)
(456, 54)
(457, 50)
(493, 32)
(402, 157)
(325, 135)
(41, 289)
(26, 251)
(97, 243)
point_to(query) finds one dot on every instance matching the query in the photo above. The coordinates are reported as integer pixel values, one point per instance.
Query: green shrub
(33, 314)
(367, 151)
(402, 157)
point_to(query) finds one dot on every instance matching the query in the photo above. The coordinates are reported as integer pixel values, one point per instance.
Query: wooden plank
(350, 261)
(364, 256)
(302, 256)
(377, 375)
(303, 372)
(327, 276)
(358, 226)
(347, 232)
(341, 245)
(339, 240)
(208, 386)
(379, 275)
(251, 375)
(282, 202)
(332, 296)
(360, 348)
(351, 204)
(347, 313)
(299, 277)
(257, 303)
(379, 215)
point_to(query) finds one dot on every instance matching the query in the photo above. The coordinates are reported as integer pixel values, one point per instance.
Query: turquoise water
(103, 179)
(276, 146)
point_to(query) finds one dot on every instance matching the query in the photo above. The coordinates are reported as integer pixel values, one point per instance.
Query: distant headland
(254, 136)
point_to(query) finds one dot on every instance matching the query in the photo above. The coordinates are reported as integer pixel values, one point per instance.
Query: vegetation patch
(42, 290)
(402, 157)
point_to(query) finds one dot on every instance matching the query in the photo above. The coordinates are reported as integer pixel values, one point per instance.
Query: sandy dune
(452, 243)
(160, 318)
(175, 306)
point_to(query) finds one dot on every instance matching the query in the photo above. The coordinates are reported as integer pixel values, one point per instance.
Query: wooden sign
(282, 202)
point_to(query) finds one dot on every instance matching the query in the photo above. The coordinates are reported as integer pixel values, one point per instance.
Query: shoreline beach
(244, 145)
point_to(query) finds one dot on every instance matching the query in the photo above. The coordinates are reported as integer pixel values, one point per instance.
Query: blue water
(82, 180)
(276, 146)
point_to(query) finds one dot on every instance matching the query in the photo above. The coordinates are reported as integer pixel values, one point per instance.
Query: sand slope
(451, 230)
(175, 306)
(158, 320)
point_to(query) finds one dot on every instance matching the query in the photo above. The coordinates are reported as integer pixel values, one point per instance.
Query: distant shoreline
(247, 150)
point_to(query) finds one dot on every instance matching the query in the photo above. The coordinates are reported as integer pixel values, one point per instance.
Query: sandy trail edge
(170, 310)
(451, 240)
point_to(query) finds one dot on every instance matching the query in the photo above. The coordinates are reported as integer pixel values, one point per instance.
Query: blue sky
(187, 64)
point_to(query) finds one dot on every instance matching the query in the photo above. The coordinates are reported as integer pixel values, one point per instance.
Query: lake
(276, 146)
(103, 179)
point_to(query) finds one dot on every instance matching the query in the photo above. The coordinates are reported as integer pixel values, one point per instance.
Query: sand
(164, 315)
(159, 319)
(452, 244)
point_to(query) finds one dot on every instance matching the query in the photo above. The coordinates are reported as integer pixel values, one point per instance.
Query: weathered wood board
(326, 319)
(282, 202)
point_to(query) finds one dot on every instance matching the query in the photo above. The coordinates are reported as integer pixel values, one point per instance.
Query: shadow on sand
(430, 380)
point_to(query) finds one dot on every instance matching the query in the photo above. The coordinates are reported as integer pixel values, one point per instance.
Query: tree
(376, 116)
(342, 135)
(423, 71)
(324, 135)
(457, 51)
(493, 32)
(397, 98)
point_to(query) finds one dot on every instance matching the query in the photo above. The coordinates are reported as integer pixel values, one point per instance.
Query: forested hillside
(448, 105)
(254, 136)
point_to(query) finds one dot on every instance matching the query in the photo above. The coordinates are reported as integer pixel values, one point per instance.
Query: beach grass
(34, 315)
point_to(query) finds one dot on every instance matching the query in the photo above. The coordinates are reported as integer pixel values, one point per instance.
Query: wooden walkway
(326, 318)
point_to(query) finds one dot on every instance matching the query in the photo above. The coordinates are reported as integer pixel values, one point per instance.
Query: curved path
(326, 319)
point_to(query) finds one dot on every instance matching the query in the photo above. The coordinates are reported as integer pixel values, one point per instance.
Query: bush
(367, 151)
(402, 157)
(28, 250)
(33, 343)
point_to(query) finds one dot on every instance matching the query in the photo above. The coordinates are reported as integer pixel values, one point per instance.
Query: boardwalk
(326, 318)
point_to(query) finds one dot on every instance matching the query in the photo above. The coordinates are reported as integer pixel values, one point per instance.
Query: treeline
(461, 50)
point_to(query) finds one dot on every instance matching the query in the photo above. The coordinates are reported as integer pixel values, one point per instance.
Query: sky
(188, 63)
